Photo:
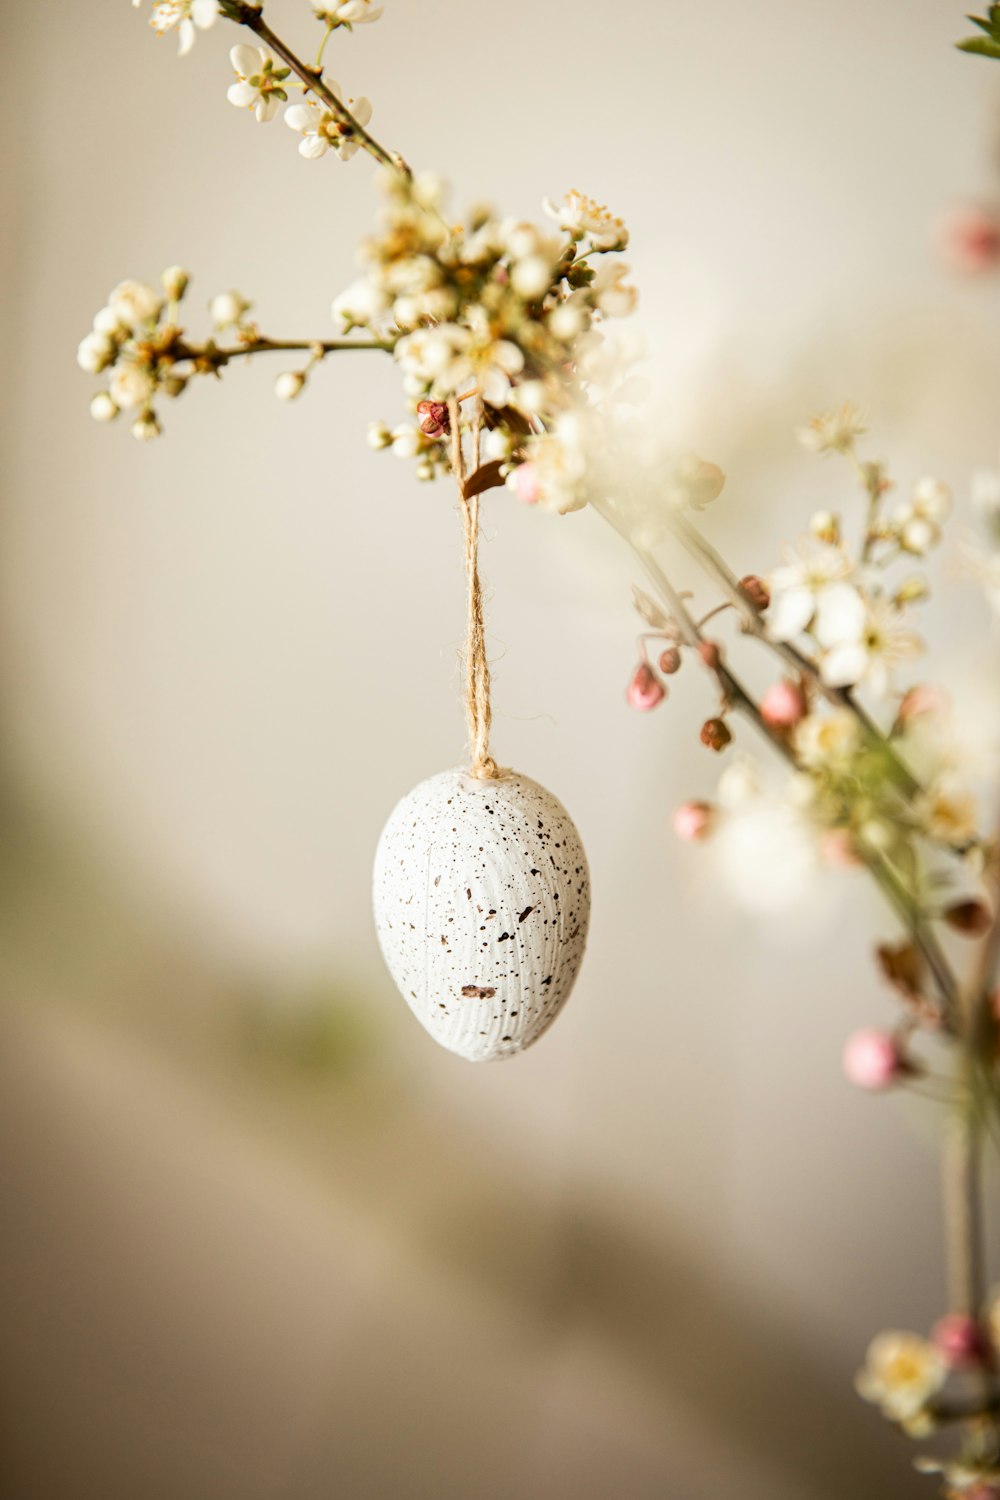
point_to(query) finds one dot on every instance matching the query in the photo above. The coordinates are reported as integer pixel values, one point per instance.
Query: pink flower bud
(972, 918)
(693, 821)
(670, 660)
(837, 847)
(645, 690)
(783, 705)
(963, 1341)
(715, 734)
(921, 700)
(524, 482)
(756, 591)
(435, 419)
(873, 1060)
(969, 238)
(710, 653)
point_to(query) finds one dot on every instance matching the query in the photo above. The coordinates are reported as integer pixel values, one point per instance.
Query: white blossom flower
(810, 569)
(289, 385)
(901, 1374)
(555, 473)
(361, 303)
(348, 13)
(258, 82)
(947, 811)
(580, 215)
(827, 740)
(833, 431)
(186, 17)
(919, 520)
(864, 639)
(131, 385)
(228, 309)
(103, 408)
(320, 129)
(609, 291)
(135, 304)
(95, 352)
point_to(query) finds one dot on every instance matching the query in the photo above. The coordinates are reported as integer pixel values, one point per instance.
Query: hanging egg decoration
(482, 902)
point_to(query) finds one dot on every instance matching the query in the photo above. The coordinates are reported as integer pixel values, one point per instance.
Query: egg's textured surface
(482, 901)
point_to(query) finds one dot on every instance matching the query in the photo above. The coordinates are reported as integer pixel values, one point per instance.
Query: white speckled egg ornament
(482, 901)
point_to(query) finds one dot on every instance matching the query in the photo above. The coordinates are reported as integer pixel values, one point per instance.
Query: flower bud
(825, 527)
(175, 282)
(783, 704)
(921, 700)
(524, 482)
(755, 590)
(228, 309)
(963, 1341)
(645, 690)
(836, 845)
(693, 821)
(379, 435)
(972, 918)
(670, 661)
(425, 470)
(289, 384)
(710, 653)
(715, 735)
(873, 1059)
(135, 303)
(145, 427)
(435, 419)
(406, 441)
(95, 352)
(102, 408)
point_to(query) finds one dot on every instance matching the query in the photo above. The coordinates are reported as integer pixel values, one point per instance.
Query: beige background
(261, 1238)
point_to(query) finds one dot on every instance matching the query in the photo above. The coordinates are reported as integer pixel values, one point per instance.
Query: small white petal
(302, 117)
(361, 109)
(844, 665)
(840, 615)
(312, 147)
(790, 613)
(204, 13)
(186, 36)
(246, 59)
(267, 108)
(241, 94)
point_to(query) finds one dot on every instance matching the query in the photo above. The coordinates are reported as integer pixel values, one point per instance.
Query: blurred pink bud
(755, 590)
(693, 821)
(837, 848)
(715, 734)
(710, 653)
(434, 418)
(645, 690)
(969, 238)
(670, 660)
(783, 705)
(963, 1341)
(921, 700)
(524, 481)
(873, 1060)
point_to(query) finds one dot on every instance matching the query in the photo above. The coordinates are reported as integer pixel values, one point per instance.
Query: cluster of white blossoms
(839, 603)
(137, 340)
(502, 311)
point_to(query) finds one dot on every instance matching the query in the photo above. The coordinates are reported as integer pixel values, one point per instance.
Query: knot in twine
(478, 711)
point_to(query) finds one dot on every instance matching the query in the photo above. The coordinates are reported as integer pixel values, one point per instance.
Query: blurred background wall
(260, 1237)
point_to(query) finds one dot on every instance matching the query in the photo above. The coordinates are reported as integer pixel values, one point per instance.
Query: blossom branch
(252, 17)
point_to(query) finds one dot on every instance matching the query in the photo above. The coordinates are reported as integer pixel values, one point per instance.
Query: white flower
(947, 811)
(810, 569)
(827, 741)
(580, 215)
(258, 82)
(919, 520)
(175, 282)
(135, 304)
(289, 384)
(362, 302)
(131, 385)
(407, 440)
(554, 475)
(228, 309)
(901, 1374)
(95, 352)
(348, 13)
(321, 131)
(103, 408)
(767, 853)
(864, 639)
(833, 431)
(186, 17)
(609, 291)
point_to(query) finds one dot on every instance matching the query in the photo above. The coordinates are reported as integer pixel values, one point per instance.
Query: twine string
(478, 711)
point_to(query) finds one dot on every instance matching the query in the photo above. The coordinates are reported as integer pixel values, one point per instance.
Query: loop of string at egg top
(478, 712)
